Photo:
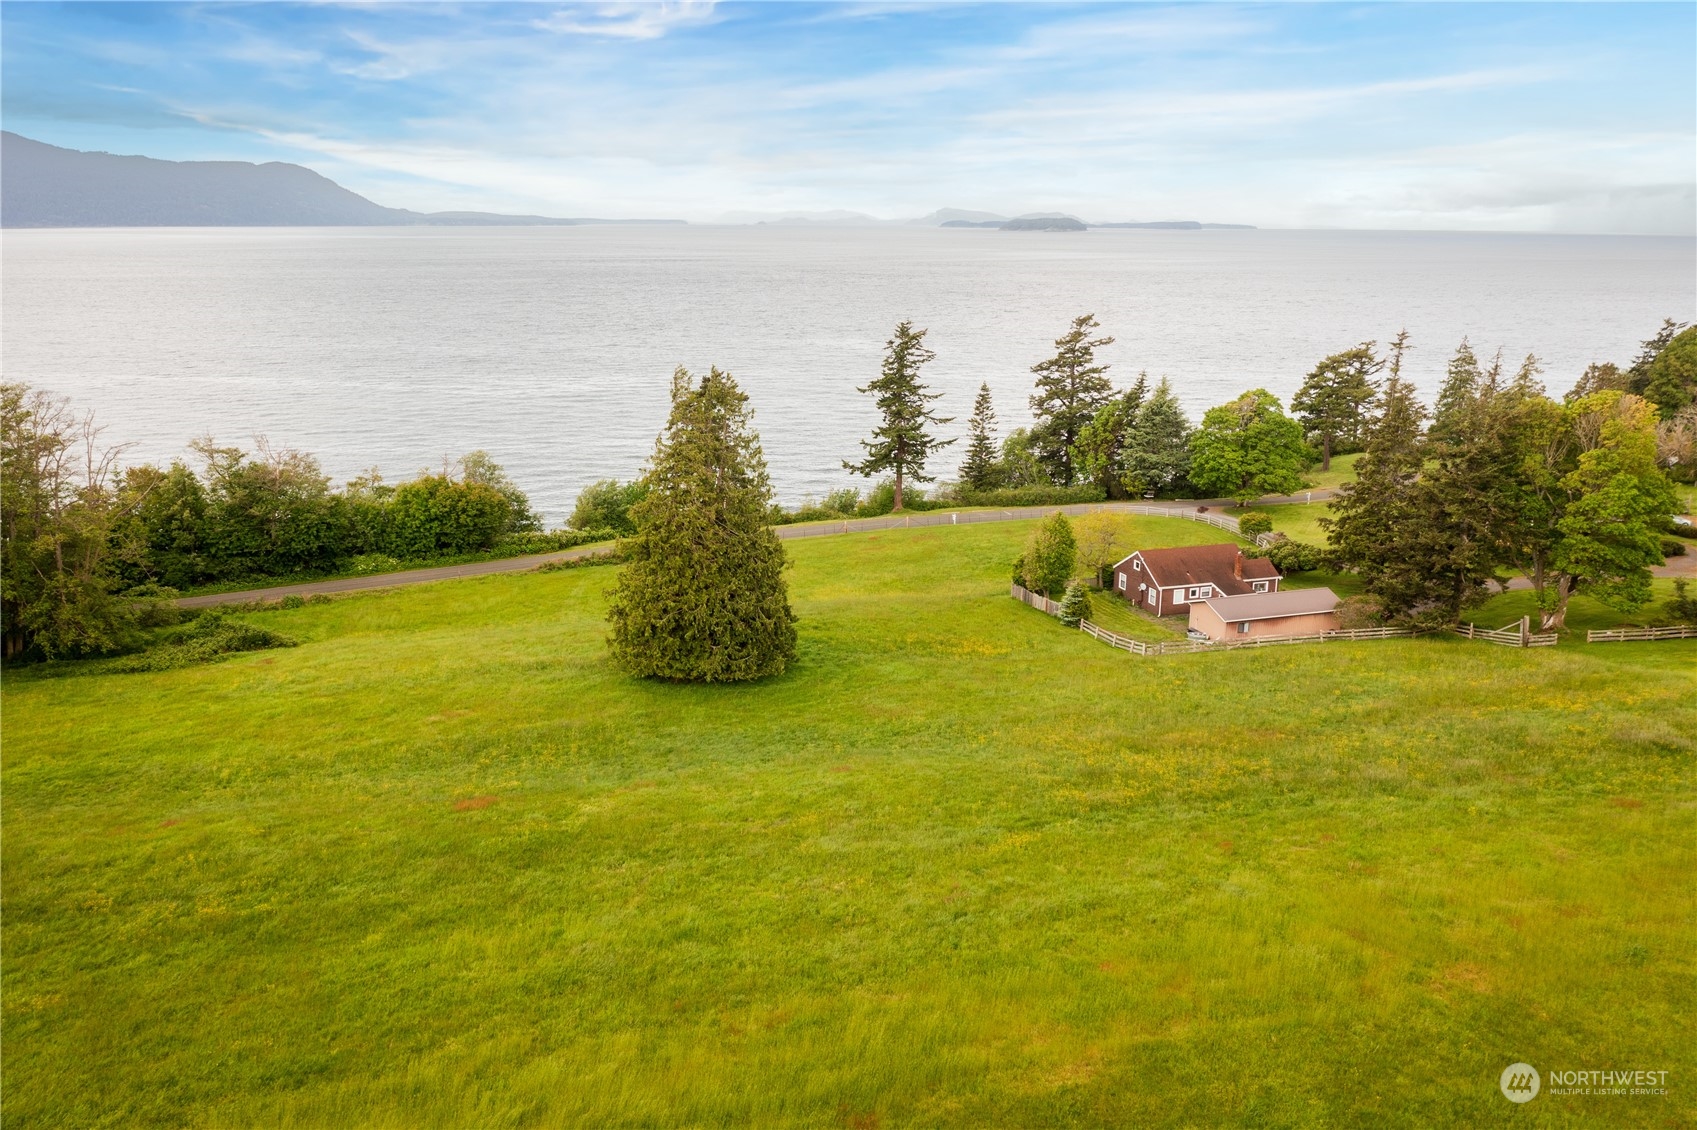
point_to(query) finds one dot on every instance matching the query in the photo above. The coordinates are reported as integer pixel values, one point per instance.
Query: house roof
(1205, 564)
(1272, 605)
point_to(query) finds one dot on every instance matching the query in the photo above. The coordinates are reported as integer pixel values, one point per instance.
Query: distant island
(1043, 223)
(45, 186)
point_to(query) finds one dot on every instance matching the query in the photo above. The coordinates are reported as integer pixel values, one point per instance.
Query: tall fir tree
(1071, 386)
(982, 468)
(702, 596)
(903, 443)
(1336, 400)
(1460, 387)
(1156, 455)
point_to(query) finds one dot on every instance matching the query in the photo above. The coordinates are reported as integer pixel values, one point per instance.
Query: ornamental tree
(702, 596)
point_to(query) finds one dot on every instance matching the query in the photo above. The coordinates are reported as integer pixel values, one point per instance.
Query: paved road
(810, 530)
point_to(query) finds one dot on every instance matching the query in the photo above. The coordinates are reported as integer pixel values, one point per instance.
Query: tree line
(86, 541)
(1138, 440)
(1498, 476)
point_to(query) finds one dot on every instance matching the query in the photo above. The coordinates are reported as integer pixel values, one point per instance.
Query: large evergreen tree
(702, 594)
(1334, 402)
(1670, 378)
(903, 443)
(1070, 388)
(1247, 449)
(1461, 385)
(982, 468)
(1156, 455)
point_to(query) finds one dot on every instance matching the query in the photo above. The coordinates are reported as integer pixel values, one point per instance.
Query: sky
(1511, 117)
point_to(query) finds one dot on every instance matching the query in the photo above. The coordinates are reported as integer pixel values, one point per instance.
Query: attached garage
(1293, 612)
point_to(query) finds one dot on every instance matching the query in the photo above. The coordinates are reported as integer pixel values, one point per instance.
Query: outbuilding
(1293, 612)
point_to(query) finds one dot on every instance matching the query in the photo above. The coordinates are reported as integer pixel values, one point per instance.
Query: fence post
(1526, 631)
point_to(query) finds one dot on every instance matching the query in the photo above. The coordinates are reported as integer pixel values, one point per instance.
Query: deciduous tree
(1050, 556)
(702, 594)
(1247, 449)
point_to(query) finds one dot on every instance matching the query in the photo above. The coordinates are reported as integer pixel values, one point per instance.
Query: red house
(1166, 581)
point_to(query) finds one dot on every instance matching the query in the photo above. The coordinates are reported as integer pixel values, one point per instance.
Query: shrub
(844, 501)
(435, 516)
(367, 564)
(293, 600)
(1075, 605)
(210, 638)
(1682, 606)
(1255, 522)
(1050, 556)
(1361, 612)
(606, 506)
(1031, 496)
(1295, 556)
(1673, 547)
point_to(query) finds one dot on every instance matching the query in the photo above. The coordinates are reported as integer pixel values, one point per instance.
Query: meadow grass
(441, 865)
(1343, 471)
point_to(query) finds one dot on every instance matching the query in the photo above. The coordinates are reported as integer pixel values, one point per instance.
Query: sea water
(553, 347)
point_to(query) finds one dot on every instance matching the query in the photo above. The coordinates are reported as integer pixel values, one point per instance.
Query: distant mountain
(44, 186)
(833, 218)
(972, 223)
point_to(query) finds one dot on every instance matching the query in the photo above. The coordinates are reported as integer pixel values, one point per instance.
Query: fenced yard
(1629, 635)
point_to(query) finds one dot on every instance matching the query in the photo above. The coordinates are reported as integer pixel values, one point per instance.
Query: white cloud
(629, 20)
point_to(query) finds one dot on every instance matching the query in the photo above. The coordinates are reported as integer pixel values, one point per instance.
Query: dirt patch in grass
(475, 802)
(1625, 802)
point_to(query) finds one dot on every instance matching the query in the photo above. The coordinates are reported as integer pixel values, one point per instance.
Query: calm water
(552, 348)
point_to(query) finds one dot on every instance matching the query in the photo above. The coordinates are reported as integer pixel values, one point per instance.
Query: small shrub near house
(1075, 605)
(1255, 522)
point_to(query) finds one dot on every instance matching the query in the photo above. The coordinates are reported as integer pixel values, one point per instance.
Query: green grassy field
(442, 866)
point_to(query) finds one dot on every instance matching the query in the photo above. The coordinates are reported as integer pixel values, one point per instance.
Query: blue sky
(1565, 117)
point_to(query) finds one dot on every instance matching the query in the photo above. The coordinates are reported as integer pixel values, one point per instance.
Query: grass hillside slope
(442, 865)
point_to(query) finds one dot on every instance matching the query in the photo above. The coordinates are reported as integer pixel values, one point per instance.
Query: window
(1260, 586)
(1243, 628)
(1122, 582)
(1137, 564)
(1201, 592)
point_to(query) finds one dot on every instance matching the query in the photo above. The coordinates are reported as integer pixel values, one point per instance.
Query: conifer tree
(1097, 454)
(702, 594)
(903, 442)
(1157, 448)
(1334, 402)
(982, 468)
(1460, 387)
(1070, 388)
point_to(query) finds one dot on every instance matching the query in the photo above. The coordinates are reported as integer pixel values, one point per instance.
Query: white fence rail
(966, 518)
(1519, 634)
(1626, 635)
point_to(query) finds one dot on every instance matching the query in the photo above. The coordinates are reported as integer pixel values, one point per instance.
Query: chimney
(1237, 565)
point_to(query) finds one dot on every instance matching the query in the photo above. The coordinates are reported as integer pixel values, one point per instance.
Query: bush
(1295, 556)
(210, 638)
(1255, 522)
(367, 564)
(845, 501)
(1682, 606)
(435, 516)
(521, 545)
(606, 506)
(1361, 612)
(1075, 605)
(293, 600)
(1673, 547)
(1031, 496)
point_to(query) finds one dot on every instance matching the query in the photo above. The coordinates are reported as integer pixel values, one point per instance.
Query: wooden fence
(1625, 635)
(1519, 634)
(1186, 647)
(926, 518)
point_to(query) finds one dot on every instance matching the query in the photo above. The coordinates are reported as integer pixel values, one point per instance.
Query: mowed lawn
(442, 866)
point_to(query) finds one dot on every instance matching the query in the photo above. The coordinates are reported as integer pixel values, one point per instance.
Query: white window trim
(1122, 582)
(1260, 586)
(1137, 564)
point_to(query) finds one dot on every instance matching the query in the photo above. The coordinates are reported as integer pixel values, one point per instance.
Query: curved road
(1185, 509)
